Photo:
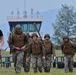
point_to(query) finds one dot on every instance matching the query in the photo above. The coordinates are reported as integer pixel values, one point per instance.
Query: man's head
(47, 37)
(18, 29)
(65, 38)
(34, 36)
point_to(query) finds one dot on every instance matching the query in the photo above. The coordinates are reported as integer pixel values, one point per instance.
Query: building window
(24, 27)
(31, 28)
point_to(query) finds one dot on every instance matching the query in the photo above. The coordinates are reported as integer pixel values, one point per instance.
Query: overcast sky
(6, 6)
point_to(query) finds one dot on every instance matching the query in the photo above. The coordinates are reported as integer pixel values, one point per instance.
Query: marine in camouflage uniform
(68, 49)
(49, 50)
(36, 50)
(18, 44)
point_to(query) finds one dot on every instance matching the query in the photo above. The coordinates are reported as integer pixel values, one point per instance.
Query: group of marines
(26, 49)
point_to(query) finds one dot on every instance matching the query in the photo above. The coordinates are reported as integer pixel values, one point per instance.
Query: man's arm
(62, 47)
(53, 51)
(2, 40)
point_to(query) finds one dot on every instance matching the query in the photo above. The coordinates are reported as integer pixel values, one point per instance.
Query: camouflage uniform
(26, 64)
(18, 44)
(49, 50)
(36, 50)
(68, 49)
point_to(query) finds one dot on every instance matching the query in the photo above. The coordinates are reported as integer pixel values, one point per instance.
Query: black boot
(45, 70)
(40, 70)
(35, 70)
(70, 70)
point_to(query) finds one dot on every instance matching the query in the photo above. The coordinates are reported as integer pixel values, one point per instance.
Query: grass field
(54, 71)
(31, 73)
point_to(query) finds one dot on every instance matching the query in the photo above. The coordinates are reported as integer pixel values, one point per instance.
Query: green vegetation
(4, 53)
(64, 24)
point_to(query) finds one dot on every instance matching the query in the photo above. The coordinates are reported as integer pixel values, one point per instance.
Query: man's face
(46, 38)
(66, 40)
(18, 32)
(34, 38)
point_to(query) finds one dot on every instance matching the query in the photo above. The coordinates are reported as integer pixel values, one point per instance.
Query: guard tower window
(31, 28)
(26, 26)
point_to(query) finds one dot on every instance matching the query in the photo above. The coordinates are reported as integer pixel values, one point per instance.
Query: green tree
(65, 23)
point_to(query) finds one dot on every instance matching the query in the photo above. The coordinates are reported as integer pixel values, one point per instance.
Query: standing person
(36, 50)
(18, 44)
(68, 50)
(49, 50)
(1, 42)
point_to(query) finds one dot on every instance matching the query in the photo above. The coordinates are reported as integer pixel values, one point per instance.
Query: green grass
(54, 71)
(4, 53)
(32, 73)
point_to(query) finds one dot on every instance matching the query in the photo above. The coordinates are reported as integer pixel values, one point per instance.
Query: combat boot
(35, 70)
(70, 70)
(18, 69)
(26, 69)
(45, 69)
(40, 70)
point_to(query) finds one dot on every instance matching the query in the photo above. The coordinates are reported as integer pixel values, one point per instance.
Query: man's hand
(43, 57)
(0, 48)
(17, 48)
(23, 48)
(54, 57)
(27, 59)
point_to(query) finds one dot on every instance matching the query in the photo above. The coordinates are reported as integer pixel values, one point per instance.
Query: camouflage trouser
(14, 58)
(68, 61)
(18, 60)
(47, 63)
(26, 65)
(37, 62)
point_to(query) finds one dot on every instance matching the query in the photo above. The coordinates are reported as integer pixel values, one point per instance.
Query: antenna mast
(18, 13)
(25, 12)
(32, 12)
(37, 14)
(12, 13)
